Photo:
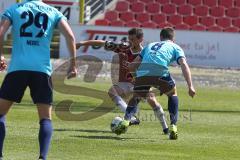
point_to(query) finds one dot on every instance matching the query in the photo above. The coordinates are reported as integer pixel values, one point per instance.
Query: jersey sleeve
(179, 53)
(8, 14)
(58, 17)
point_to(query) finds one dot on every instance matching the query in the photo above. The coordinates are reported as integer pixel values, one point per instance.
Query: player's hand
(110, 46)
(191, 91)
(3, 64)
(78, 45)
(72, 72)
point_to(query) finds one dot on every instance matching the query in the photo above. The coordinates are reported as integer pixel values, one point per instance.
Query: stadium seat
(149, 25)
(142, 17)
(122, 6)
(233, 12)
(111, 15)
(237, 3)
(153, 8)
(198, 28)
(223, 22)
(215, 29)
(236, 22)
(178, 2)
(137, 7)
(168, 9)
(131, 1)
(162, 1)
(195, 2)
(146, 1)
(162, 25)
(126, 16)
(101, 22)
(217, 11)
(182, 27)
(159, 18)
(201, 10)
(231, 29)
(175, 19)
(207, 21)
(117, 23)
(190, 20)
(132, 24)
(212, 15)
(185, 9)
(226, 3)
(210, 3)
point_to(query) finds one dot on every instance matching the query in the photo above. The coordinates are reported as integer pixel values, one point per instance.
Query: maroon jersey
(125, 57)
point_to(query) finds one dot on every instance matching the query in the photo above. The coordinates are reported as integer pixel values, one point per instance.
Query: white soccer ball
(116, 122)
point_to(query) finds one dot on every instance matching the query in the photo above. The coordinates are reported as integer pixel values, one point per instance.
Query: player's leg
(12, 90)
(132, 107)
(173, 112)
(158, 111)
(119, 92)
(169, 88)
(46, 129)
(40, 86)
(116, 93)
(4, 108)
(139, 92)
(173, 106)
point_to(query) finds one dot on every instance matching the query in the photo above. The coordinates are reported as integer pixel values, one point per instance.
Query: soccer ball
(117, 126)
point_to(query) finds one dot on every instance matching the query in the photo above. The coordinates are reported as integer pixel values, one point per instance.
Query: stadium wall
(204, 49)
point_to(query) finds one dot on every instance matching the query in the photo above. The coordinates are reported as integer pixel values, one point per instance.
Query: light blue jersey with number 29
(33, 23)
(157, 56)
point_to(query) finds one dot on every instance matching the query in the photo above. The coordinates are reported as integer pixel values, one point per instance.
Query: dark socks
(173, 109)
(131, 108)
(44, 137)
(2, 133)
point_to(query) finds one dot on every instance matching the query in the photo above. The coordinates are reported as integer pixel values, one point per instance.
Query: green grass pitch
(208, 129)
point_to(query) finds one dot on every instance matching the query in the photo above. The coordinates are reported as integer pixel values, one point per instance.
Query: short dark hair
(167, 33)
(136, 31)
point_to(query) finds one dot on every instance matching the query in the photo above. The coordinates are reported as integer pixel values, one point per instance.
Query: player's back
(162, 53)
(33, 23)
(157, 56)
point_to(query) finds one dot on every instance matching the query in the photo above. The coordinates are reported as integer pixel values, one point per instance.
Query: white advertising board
(215, 49)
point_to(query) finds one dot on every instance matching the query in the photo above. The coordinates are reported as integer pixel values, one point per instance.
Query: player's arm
(4, 26)
(132, 67)
(90, 43)
(70, 40)
(187, 75)
(135, 64)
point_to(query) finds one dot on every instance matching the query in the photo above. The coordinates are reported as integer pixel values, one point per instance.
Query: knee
(151, 99)
(173, 92)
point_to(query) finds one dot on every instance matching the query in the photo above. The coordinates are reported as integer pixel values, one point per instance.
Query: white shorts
(126, 87)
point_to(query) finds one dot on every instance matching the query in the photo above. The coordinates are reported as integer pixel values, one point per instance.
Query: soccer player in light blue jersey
(32, 24)
(151, 68)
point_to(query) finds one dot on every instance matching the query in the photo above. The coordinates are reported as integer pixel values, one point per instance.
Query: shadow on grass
(82, 130)
(107, 137)
(102, 137)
